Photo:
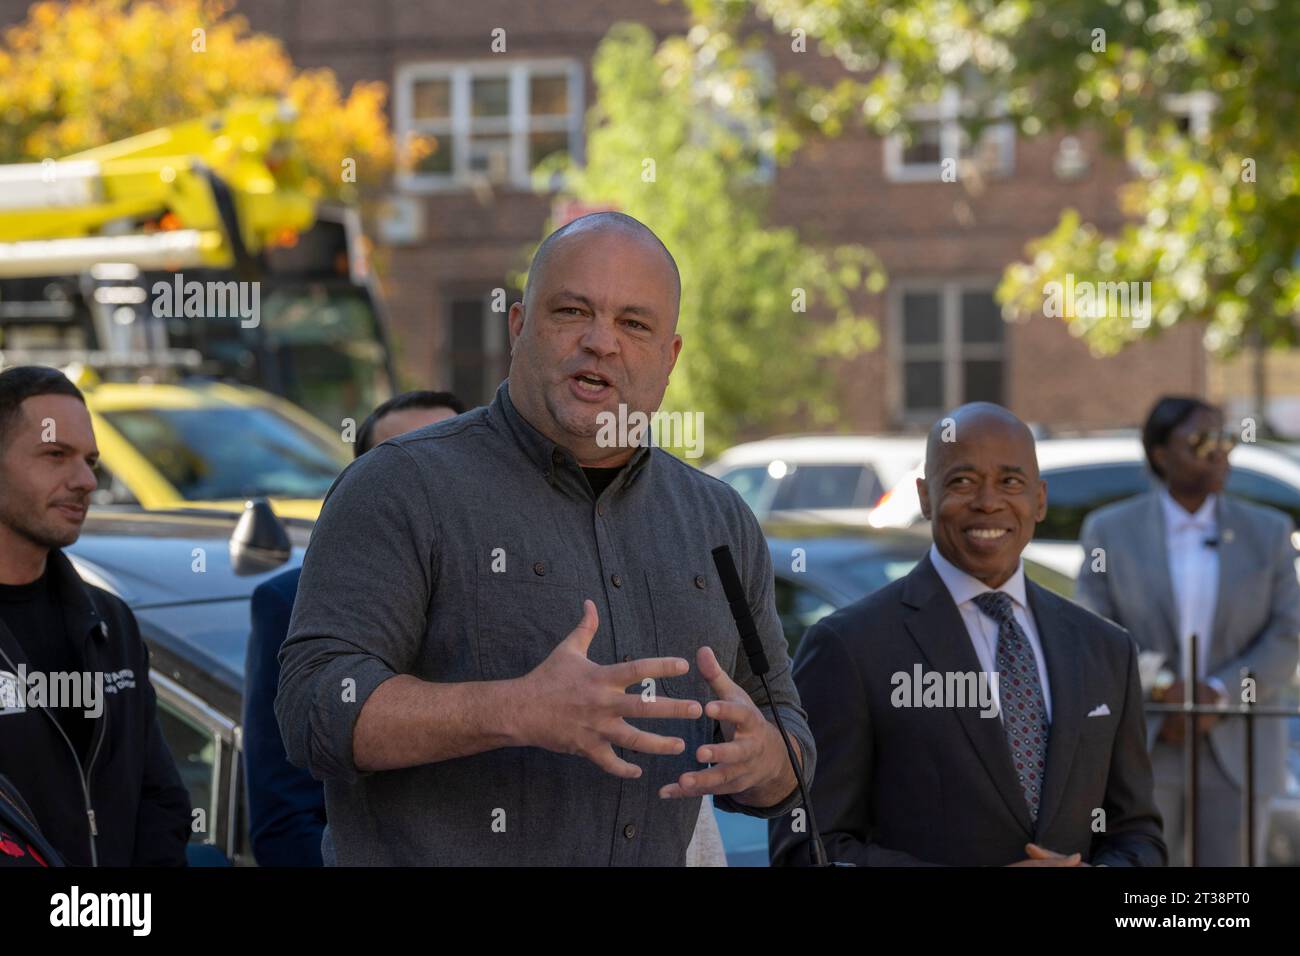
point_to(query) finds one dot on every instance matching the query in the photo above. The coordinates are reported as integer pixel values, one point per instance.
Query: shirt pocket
(689, 612)
(523, 613)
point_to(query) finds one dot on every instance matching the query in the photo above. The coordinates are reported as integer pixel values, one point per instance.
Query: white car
(1083, 474)
(819, 478)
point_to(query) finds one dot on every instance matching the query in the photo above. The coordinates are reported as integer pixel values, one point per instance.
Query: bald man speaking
(965, 715)
(509, 644)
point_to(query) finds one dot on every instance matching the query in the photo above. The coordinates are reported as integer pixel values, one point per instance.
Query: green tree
(677, 138)
(1211, 217)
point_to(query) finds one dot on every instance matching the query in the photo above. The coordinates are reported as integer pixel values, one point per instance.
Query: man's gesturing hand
(1041, 856)
(571, 705)
(752, 764)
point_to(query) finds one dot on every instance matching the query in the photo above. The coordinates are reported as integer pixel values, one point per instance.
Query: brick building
(455, 228)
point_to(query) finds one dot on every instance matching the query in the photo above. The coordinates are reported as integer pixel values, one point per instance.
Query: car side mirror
(259, 542)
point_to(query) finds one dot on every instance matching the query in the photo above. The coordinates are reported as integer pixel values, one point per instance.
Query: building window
(476, 353)
(950, 349)
(938, 134)
(486, 122)
(749, 125)
(1191, 114)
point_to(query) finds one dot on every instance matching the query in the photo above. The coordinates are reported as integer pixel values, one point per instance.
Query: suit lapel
(1234, 564)
(935, 624)
(1149, 541)
(1064, 659)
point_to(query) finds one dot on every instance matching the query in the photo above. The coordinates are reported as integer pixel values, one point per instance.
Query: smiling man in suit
(1187, 562)
(1057, 774)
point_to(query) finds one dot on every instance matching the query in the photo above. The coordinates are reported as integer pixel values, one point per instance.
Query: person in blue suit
(286, 807)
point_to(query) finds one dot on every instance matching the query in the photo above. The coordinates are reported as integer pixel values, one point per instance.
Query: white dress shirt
(1194, 574)
(981, 628)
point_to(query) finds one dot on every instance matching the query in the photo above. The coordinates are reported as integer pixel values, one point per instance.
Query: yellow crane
(206, 192)
(221, 201)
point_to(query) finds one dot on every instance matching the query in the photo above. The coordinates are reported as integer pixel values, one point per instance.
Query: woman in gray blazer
(1187, 563)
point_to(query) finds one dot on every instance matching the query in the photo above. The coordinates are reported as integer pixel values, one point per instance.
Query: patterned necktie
(1024, 711)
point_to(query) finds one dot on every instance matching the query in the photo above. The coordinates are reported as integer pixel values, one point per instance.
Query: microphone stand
(758, 663)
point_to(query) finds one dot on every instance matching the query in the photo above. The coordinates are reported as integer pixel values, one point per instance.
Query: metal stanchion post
(1250, 712)
(1190, 769)
(1248, 791)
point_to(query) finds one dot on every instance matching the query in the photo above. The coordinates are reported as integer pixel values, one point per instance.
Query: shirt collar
(1177, 518)
(78, 610)
(965, 588)
(547, 455)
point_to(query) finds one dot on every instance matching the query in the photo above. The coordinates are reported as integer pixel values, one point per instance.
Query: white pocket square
(1101, 710)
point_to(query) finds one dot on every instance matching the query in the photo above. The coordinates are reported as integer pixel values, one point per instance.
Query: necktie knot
(996, 604)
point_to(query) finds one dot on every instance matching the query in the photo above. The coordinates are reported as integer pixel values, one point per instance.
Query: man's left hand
(752, 765)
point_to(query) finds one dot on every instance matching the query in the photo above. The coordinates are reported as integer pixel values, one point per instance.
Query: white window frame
(760, 62)
(1198, 106)
(519, 123)
(949, 351)
(948, 112)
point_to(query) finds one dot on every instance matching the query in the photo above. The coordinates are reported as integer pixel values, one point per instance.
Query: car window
(1265, 490)
(750, 483)
(212, 454)
(1055, 581)
(799, 608)
(110, 489)
(1075, 491)
(868, 574)
(828, 486)
(194, 749)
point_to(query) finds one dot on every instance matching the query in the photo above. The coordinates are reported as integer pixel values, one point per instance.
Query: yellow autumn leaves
(82, 73)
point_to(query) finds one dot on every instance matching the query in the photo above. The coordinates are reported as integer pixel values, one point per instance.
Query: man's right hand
(1041, 856)
(569, 704)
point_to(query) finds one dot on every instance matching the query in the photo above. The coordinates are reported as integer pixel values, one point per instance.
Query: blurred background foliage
(1212, 216)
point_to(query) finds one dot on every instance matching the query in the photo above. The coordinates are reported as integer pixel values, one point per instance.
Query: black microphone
(735, 593)
(1210, 542)
(753, 645)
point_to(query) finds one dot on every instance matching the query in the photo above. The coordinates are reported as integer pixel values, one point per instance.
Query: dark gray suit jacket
(902, 786)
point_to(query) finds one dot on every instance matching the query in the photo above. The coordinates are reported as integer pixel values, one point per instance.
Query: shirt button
(626, 658)
(539, 568)
(616, 580)
(699, 581)
(600, 509)
(629, 831)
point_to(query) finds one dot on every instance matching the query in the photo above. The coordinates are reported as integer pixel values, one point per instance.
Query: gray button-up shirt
(462, 552)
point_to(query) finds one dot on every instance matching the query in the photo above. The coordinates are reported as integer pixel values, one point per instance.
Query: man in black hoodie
(79, 734)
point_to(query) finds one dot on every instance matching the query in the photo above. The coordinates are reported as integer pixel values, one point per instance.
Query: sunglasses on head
(1204, 443)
